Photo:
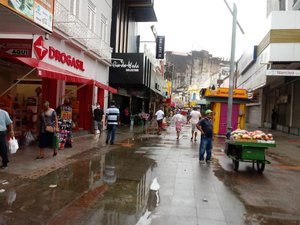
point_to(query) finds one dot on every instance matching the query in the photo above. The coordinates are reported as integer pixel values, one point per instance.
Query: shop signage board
(223, 92)
(290, 73)
(15, 47)
(127, 68)
(160, 47)
(41, 51)
(39, 12)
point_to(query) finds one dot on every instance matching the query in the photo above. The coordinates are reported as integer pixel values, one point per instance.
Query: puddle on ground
(97, 186)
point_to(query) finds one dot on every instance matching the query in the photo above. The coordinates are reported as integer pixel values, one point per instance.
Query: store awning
(106, 87)
(53, 72)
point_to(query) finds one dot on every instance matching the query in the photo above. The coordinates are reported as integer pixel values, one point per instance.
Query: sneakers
(202, 162)
(209, 160)
(4, 167)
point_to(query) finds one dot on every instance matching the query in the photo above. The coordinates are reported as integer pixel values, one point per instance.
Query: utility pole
(232, 65)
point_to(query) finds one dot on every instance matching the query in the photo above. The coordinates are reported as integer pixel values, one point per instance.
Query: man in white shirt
(159, 118)
(194, 119)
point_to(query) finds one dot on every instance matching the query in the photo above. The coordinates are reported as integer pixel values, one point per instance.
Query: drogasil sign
(41, 51)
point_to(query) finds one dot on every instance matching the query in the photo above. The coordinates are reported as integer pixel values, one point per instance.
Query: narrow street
(146, 179)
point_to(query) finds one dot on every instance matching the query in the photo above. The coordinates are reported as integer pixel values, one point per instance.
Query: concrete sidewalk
(24, 164)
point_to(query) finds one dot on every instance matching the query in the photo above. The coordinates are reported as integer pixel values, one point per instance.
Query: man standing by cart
(206, 128)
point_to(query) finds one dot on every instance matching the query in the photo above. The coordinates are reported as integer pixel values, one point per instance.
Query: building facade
(190, 73)
(135, 73)
(272, 70)
(54, 50)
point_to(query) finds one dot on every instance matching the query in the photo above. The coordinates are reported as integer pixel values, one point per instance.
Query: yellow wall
(216, 117)
(242, 117)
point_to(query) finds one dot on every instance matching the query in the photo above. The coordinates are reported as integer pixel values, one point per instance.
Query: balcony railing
(76, 30)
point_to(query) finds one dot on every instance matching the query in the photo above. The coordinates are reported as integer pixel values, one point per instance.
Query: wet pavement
(149, 179)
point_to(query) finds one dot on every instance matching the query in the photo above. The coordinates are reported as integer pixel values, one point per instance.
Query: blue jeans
(3, 148)
(205, 146)
(111, 132)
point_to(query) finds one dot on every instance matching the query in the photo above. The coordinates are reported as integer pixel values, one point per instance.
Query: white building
(69, 52)
(272, 69)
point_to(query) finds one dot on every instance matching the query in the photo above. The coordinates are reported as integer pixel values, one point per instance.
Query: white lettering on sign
(129, 66)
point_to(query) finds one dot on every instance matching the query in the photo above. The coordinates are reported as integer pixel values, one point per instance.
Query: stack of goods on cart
(252, 136)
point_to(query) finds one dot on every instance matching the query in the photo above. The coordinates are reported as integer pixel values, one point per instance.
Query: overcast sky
(206, 24)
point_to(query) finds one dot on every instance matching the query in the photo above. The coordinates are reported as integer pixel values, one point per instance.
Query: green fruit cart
(248, 151)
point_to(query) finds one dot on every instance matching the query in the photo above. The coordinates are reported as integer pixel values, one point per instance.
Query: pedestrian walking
(48, 129)
(178, 119)
(195, 116)
(98, 120)
(5, 125)
(112, 121)
(205, 126)
(159, 119)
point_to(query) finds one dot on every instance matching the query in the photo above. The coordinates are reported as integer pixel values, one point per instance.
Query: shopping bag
(13, 145)
(55, 142)
(28, 138)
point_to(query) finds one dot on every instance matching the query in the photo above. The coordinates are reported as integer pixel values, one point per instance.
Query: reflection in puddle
(98, 188)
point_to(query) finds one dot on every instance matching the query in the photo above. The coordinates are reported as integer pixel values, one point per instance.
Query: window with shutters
(103, 28)
(74, 7)
(91, 15)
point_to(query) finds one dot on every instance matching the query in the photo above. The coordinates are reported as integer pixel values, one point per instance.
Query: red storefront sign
(41, 51)
(15, 47)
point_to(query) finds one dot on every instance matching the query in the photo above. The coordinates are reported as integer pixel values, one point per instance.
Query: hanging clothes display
(65, 123)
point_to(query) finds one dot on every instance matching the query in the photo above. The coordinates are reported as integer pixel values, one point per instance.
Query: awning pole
(8, 89)
(81, 86)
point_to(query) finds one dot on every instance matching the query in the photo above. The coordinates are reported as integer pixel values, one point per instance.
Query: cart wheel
(235, 164)
(260, 165)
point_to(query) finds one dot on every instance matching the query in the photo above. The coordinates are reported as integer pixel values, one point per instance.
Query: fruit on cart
(239, 134)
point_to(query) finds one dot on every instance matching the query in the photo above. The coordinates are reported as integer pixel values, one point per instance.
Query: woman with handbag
(48, 129)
